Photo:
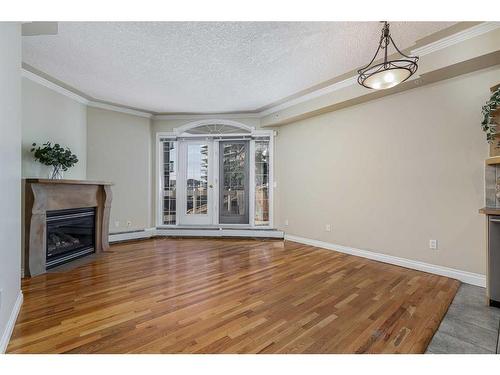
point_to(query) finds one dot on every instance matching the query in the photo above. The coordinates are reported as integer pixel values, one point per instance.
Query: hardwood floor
(230, 296)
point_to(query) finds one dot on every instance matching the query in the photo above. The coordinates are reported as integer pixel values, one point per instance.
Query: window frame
(179, 133)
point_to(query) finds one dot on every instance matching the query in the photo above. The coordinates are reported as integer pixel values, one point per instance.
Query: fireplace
(64, 220)
(70, 234)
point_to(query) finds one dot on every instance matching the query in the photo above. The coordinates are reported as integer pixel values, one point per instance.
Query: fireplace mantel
(42, 195)
(66, 182)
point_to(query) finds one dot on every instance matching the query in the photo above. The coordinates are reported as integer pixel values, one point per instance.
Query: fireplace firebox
(70, 234)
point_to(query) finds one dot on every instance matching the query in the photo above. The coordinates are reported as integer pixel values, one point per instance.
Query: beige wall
(10, 176)
(391, 174)
(119, 150)
(50, 116)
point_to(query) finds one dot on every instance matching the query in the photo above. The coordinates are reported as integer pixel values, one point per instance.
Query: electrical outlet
(433, 244)
(117, 223)
(129, 223)
(328, 227)
(286, 222)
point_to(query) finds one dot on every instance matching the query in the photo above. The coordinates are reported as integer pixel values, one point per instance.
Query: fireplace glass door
(70, 234)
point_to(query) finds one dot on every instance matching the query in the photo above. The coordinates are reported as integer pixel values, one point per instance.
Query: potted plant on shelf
(55, 156)
(490, 112)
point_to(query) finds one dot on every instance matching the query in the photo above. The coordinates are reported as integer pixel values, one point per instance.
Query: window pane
(169, 182)
(197, 179)
(234, 182)
(262, 183)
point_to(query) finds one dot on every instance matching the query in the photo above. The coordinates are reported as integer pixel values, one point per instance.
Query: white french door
(195, 182)
(215, 174)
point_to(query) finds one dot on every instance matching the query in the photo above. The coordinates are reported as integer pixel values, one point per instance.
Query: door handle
(210, 186)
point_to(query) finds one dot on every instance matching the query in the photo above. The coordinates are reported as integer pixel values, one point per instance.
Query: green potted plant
(55, 156)
(489, 124)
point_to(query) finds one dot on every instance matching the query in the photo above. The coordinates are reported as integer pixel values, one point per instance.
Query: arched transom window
(214, 127)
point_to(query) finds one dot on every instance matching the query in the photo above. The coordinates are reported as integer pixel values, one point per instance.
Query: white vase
(56, 173)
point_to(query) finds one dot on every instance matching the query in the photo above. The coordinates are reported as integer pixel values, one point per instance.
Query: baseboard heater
(196, 232)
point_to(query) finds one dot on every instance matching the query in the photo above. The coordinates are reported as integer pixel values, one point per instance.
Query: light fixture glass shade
(388, 73)
(385, 79)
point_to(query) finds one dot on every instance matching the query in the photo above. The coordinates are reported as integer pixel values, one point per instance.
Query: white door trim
(251, 184)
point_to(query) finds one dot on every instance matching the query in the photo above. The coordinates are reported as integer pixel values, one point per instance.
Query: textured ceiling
(207, 66)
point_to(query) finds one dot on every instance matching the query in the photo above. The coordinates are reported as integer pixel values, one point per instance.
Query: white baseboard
(146, 233)
(464, 276)
(153, 232)
(4, 342)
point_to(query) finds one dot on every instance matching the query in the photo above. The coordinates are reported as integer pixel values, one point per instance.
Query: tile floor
(470, 326)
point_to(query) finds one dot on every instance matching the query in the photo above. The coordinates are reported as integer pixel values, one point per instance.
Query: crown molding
(312, 95)
(438, 45)
(78, 98)
(200, 116)
(116, 108)
(459, 37)
(427, 49)
(51, 85)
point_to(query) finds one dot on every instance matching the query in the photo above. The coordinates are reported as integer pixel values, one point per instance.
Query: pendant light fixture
(388, 73)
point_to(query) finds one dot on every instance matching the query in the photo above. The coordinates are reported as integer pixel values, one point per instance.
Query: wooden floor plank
(230, 296)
